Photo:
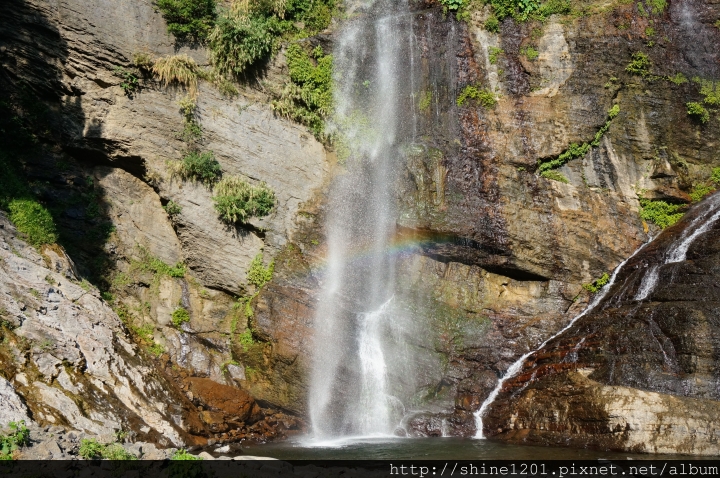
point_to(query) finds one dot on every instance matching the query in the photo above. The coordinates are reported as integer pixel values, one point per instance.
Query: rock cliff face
(499, 253)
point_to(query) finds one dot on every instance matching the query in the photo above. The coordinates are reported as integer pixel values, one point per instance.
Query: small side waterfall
(677, 252)
(517, 365)
(356, 329)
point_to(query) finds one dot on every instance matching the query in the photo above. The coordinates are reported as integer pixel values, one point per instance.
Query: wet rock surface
(638, 375)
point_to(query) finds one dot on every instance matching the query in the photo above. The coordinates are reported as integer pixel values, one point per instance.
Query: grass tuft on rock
(178, 70)
(236, 200)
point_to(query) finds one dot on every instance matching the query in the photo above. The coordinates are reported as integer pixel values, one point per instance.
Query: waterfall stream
(350, 392)
(676, 253)
(517, 365)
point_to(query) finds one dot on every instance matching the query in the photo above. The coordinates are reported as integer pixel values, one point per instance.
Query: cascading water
(517, 365)
(676, 253)
(350, 393)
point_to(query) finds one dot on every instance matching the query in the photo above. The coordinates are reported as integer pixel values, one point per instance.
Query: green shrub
(530, 53)
(717, 23)
(236, 200)
(184, 455)
(156, 349)
(699, 111)
(639, 65)
(660, 213)
(143, 61)
(258, 275)
(202, 167)
(710, 90)
(250, 32)
(308, 97)
(116, 452)
(715, 177)
(492, 24)
(484, 96)
(452, 5)
(239, 41)
(156, 266)
(91, 449)
(188, 19)
(494, 53)
(678, 79)
(33, 220)
(246, 339)
(180, 316)
(597, 284)
(657, 6)
(699, 191)
(523, 10)
(172, 209)
(130, 83)
(555, 176)
(19, 436)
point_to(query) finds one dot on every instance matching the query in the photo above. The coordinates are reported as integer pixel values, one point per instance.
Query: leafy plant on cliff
(19, 436)
(715, 176)
(91, 449)
(699, 111)
(530, 53)
(188, 19)
(699, 191)
(579, 150)
(179, 317)
(656, 6)
(130, 83)
(678, 79)
(172, 209)
(492, 24)
(183, 455)
(494, 53)
(202, 167)
(33, 220)
(659, 212)
(307, 97)
(484, 96)
(639, 65)
(555, 176)
(239, 41)
(250, 31)
(258, 275)
(30, 217)
(597, 284)
(710, 91)
(236, 200)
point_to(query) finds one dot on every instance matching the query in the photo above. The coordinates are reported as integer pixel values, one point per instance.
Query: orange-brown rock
(227, 404)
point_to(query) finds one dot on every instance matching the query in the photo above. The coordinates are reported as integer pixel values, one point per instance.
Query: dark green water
(429, 449)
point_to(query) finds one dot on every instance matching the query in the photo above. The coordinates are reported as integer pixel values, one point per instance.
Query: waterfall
(517, 365)
(675, 253)
(350, 393)
(678, 251)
